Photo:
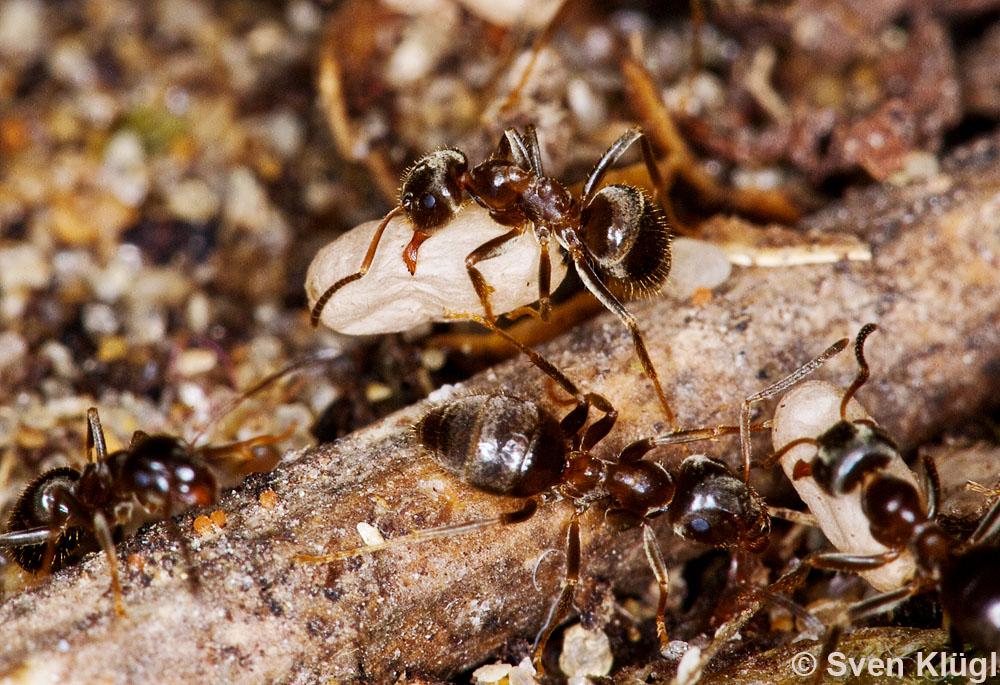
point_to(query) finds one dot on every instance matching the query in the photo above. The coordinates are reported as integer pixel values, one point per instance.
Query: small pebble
(585, 653)
(269, 499)
(124, 172)
(23, 266)
(192, 200)
(22, 29)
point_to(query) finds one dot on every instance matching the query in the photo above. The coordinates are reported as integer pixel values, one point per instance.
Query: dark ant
(515, 448)
(854, 454)
(617, 232)
(65, 512)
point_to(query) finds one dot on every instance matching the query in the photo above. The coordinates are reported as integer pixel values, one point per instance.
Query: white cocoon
(808, 410)
(388, 299)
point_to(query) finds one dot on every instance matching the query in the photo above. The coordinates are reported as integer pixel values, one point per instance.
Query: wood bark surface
(437, 608)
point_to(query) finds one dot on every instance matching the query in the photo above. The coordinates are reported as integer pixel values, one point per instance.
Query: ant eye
(427, 201)
(699, 525)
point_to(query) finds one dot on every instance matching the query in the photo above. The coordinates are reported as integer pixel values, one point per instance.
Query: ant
(616, 233)
(515, 448)
(855, 455)
(65, 512)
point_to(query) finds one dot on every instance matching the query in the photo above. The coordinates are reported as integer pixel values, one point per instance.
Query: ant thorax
(389, 299)
(808, 411)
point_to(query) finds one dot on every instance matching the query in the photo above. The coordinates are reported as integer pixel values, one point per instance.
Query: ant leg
(988, 528)
(102, 529)
(30, 536)
(873, 606)
(606, 297)
(562, 604)
(513, 147)
(613, 153)
(491, 248)
(544, 276)
(541, 41)
(655, 558)
(317, 309)
(932, 486)
(572, 422)
(95, 437)
(522, 514)
(530, 139)
(773, 389)
(785, 449)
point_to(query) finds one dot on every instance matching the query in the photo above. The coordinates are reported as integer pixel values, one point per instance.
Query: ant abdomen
(497, 443)
(37, 507)
(432, 189)
(628, 237)
(714, 507)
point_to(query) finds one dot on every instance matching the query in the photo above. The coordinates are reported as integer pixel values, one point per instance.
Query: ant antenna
(302, 363)
(773, 389)
(862, 377)
(317, 309)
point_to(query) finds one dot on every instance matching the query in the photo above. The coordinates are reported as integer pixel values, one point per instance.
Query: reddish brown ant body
(515, 448)
(614, 233)
(65, 512)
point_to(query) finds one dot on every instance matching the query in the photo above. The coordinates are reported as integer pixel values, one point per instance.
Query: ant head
(432, 189)
(162, 469)
(714, 507)
(848, 451)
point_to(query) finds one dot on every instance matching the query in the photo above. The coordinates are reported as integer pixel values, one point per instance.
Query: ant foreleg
(102, 529)
(317, 309)
(562, 604)
(95, 436)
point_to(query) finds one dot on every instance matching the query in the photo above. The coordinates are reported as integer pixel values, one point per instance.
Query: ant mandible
(515, 448)
(65, 512)
(616, 232)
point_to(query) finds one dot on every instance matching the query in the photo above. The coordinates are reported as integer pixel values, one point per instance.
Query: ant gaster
(515, 448)
(852, 455)
(615, 233)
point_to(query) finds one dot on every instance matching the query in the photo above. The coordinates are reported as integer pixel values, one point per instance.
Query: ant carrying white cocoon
(616, 236)
(809, 413)
(439, 288)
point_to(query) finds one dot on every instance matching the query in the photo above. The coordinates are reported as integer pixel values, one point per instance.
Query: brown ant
(515, 448)
(65, 512)
(854, 455)
(616, 233)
